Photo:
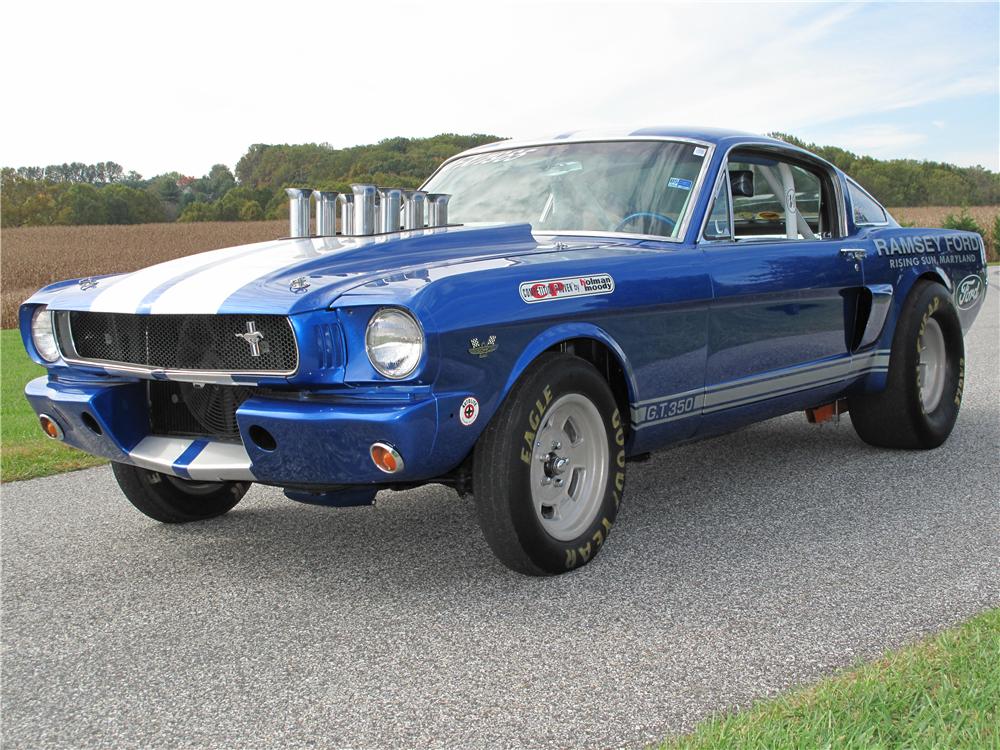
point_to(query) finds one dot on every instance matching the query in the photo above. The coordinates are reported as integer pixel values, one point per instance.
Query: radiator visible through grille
(196, 409)
(218, 343)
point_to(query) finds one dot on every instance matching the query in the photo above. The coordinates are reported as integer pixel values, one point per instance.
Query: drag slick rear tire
(173, 500)
(549, 470)
(923, 392)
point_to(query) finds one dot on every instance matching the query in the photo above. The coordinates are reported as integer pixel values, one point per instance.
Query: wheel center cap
(555, 464)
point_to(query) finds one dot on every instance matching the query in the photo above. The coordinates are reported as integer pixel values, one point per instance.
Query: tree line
(104, 193)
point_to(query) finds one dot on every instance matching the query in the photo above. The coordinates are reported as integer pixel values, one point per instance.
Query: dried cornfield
(31, 257)
(934, 216)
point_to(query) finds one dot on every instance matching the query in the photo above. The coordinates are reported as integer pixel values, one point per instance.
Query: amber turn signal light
(50, 427)
(386, 458)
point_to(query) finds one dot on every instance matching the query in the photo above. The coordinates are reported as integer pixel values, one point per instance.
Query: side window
(866, 210)
(717, 227)
(775, 199)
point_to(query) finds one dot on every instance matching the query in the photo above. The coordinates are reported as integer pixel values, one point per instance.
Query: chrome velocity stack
(298, 211)
(326, 213)
(389, 207)
(437, 209)
(364, 209)
(414, 209)
(346, 202)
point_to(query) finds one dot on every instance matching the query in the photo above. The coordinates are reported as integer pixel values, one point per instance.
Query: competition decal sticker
(550, 290)
(469, 411)
(481, 350)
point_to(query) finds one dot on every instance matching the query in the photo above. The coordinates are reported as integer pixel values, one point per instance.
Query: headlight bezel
(43, 334)
(419, 340)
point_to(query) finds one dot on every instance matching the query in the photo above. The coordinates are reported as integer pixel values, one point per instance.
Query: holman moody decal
(549, 290)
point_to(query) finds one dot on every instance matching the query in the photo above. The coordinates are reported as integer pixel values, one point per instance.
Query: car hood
(289, 275)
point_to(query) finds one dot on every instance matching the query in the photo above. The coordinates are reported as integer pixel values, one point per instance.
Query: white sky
(161, 86)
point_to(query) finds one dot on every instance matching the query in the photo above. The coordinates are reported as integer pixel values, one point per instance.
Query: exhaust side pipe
(390, 204)
(298, 211)
(364, 209)
(437, 209)
(346, 201)
(414, 208)
(326, 213)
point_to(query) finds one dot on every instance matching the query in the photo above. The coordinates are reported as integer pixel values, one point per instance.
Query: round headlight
(42, 334)
(394, 343)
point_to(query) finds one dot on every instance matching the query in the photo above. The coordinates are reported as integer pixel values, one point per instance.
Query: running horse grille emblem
(252, 337)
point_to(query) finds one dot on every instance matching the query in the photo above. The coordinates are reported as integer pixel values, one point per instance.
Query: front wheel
(549, 470)
(173, 500)
(923, 392)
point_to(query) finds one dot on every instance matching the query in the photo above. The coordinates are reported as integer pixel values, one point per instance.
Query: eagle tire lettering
(505, 461)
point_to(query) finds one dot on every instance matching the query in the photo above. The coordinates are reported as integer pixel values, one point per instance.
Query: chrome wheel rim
(569, 468)
(931, 366)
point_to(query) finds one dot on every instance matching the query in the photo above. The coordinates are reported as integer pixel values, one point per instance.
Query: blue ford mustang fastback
(534, 317)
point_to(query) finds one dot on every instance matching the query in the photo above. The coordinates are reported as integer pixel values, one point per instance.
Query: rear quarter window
(866, 210)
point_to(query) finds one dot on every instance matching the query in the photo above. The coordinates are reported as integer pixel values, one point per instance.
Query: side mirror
(741, 181)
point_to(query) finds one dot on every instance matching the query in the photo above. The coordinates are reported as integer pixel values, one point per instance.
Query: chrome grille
(182, 342)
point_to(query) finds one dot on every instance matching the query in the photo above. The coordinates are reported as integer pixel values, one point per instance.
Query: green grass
(25, 452)
(941, 693)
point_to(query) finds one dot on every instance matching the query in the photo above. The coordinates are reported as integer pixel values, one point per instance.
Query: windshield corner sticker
(549, 290)
(678, 182)
(469, 411)
(968, 291)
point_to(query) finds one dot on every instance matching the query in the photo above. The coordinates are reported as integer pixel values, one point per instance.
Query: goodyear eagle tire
(172, 500)
(923, 393)
(549, 470)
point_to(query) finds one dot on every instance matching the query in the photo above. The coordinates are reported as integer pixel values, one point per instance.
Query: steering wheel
(646, 214)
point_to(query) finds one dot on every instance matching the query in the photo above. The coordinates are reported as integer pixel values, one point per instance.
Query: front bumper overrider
(300, 440)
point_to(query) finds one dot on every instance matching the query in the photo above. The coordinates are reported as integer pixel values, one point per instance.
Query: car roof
(720, 137)
(713, 136)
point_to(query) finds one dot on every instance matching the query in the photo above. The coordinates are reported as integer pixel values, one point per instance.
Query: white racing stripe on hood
(206, 291)
(128, 293)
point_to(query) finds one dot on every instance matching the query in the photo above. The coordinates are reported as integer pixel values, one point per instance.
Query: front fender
(566, 332)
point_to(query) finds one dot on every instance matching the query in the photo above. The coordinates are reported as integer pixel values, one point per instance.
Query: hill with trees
(105, 193)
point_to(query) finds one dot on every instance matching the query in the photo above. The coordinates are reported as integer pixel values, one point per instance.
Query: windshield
(636, 187)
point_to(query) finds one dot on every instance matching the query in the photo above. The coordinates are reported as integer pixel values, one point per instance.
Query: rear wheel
(923, 392)
(549, 470)
(173, 500)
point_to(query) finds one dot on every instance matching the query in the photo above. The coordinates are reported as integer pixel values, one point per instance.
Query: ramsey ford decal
(548, 290)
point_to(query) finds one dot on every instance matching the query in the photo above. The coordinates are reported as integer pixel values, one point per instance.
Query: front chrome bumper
(311, 442)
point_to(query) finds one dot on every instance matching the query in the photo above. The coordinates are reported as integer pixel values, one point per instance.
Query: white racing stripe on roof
(128, 293)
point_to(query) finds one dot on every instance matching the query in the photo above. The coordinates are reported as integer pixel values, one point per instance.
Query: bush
(199, 212)
(993, 247)
(964, 222)
(251, 211)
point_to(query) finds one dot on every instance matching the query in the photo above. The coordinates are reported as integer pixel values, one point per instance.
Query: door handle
(853, 253)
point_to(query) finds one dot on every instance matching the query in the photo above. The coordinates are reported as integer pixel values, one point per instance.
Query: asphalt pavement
(740, 568)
